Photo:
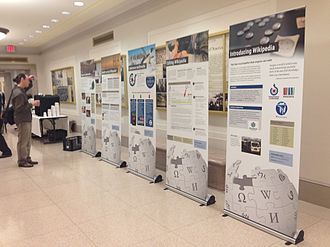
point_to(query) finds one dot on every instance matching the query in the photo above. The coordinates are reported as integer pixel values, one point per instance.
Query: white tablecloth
(62, 122)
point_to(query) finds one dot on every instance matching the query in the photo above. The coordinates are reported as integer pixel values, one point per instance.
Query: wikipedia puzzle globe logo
(142, 156)
(186, 171)
(265, 196)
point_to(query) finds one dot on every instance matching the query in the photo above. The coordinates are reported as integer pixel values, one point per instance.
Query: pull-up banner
(88, 83)
(187, 116)
(142, 96)
(111, 109)
(266, 67)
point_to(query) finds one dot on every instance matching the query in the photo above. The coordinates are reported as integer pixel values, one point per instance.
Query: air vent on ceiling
(13, 59)
(106, 37)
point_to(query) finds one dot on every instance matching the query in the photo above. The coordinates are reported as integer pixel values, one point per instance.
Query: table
(57, 122)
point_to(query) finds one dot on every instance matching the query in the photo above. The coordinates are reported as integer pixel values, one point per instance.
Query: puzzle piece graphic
(282, 219)
(136, 148)
(245, 181)
(251, 214)
(268, 194)
(263, 177)
(177, 161)
(146, 157)
(280, 178)
(288, 195)
(241, 197)
(232, 171)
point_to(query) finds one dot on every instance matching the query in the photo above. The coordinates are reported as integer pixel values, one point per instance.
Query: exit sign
(10, 48)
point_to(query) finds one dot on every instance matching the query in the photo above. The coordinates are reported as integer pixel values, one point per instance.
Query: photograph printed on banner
(87, 68)
(88, 113)
(283, 29)
(161, 92)
(194, 47)
(109, 63)
(99, 98)
(251, 145)
(161, 76)
(144, 55)
(93, 103)
(88, 100)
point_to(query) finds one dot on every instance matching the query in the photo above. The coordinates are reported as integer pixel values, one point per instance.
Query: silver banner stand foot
(122, 164)
(98, 154)
(158, 179)
(299, 237)
(210, 200)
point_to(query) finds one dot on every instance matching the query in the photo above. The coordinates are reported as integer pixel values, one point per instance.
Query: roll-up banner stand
(266, 68)
(111, 110)
(187, 117)
(142, 105)
(88, 83)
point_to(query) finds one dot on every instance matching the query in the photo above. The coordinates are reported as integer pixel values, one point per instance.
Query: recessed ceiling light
(54, 20)
(38, 31)
(31, 36)
(45, 26)
(65, 13)
(78, 4)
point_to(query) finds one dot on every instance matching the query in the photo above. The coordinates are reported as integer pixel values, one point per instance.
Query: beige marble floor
(71, 199)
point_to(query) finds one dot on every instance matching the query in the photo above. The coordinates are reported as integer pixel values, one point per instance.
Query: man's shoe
(31, 162)
(5, 156)
(25, 165)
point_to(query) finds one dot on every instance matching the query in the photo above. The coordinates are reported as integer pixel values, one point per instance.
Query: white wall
(176, 19)
(188, 16)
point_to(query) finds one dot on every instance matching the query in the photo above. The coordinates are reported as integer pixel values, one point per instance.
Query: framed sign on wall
(124, 94)
(218, 79)
(63, 84)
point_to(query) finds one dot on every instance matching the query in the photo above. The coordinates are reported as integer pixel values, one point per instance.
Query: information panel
(111, 109)
(88, 83)
(142, 105)
(187, 115)
(266, 67)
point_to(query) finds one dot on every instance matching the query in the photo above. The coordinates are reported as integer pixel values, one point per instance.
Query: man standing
(23, 119)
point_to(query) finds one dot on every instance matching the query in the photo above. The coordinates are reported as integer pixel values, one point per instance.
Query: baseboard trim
(314, 193)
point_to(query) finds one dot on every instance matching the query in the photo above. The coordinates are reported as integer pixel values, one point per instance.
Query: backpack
(8, 113)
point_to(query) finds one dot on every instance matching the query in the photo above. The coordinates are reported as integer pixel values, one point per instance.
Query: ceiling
(24, 17)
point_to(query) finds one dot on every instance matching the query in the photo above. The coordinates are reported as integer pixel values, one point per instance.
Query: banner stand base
(98, 154)
(155, 179)
(86, 152)
(296, 239)
(158, 179)
(209, 200)
(121, 164)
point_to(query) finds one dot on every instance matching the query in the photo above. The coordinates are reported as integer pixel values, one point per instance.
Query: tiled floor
(71, 199)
